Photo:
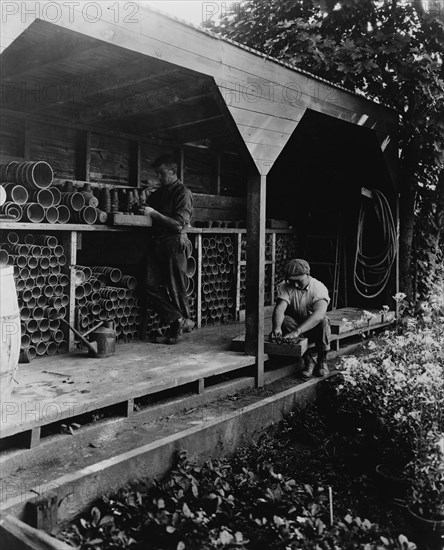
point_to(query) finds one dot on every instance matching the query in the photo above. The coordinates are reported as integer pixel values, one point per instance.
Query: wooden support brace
(273, 266)
(254, 317)
(198, 245)
(70, 247)
(34, 437)
(129, 407)
(17, 535)
(238, 271)
(42, 512)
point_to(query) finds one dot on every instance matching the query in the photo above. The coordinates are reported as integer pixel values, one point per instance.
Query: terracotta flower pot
(392, 484)
(428, 531)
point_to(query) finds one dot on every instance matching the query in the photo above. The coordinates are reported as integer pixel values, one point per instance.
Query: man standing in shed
(170, 208)
(300, 310)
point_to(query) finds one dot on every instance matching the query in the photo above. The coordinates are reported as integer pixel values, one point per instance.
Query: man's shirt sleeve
(183, 208)
(320, 292)
(283, 293)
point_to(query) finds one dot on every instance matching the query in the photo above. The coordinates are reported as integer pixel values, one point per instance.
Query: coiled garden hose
(371, 273)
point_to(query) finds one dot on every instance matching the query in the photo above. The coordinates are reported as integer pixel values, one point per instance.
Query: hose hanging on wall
(372, 272)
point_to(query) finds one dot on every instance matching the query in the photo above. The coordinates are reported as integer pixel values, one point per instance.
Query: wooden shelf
(84, 227)
(267, 262)
(61, 227)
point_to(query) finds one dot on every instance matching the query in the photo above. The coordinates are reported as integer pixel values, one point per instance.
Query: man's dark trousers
(319, 335)
(166, 277)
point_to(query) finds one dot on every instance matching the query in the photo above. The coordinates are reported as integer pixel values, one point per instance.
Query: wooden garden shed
(268, 150)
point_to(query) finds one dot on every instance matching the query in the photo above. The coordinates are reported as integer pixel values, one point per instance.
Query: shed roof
(287, 64)
(179, 82)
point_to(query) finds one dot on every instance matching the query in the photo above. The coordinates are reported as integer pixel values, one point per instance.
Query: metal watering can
(105, 338)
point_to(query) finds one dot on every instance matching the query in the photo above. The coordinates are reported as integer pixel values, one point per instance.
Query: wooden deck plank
(56, 388)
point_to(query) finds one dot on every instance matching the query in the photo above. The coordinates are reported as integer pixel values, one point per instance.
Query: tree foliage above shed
(392, 51)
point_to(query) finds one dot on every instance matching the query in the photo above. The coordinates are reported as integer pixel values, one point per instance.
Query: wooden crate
(296, 349)
(130, 219)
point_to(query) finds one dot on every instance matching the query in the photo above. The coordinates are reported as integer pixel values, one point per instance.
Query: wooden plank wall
(11, 136)
(111, 158)
(216, 207)
(200, 169)
(55, 144)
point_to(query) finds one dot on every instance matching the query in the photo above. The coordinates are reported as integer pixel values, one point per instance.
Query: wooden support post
(218, 177)
(254, 318)
(238, 271)
(34, 437)
(129, 407)
(397, 256)
(17, 535)
(43, 511)
(273, 266)
(70, 247)
(200, 386)
(198, 245)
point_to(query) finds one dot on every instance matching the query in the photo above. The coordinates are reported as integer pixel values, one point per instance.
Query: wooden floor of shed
(68, 388)
(52, 389)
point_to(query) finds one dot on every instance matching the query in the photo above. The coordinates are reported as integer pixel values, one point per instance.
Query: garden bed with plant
(312, 482)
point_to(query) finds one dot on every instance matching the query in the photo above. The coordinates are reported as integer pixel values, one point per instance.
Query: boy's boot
(321, 365)
(309, 366)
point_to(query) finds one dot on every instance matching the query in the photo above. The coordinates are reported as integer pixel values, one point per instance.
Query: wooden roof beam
(146, 102)
(187, 125)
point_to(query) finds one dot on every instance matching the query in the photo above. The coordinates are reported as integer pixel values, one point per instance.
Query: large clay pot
(392, 485)
(10, 336)
(429, 532)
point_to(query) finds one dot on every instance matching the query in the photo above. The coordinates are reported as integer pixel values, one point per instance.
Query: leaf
(170, 529)
(348, 519)
(238, 537)
(95, 515)
(186, 511)
(225, 537)
(160, 504)
(106, 520)
(180, 545)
